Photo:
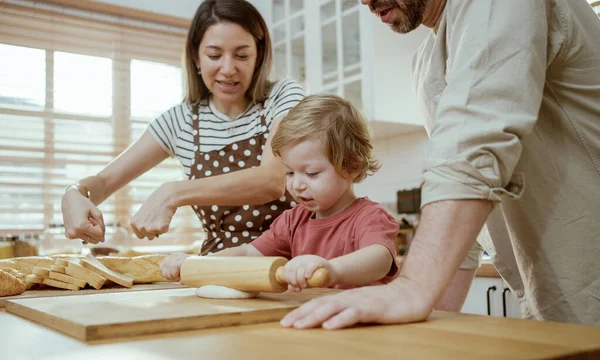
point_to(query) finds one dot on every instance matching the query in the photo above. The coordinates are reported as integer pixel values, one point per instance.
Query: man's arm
(447, 230)
(455, 295)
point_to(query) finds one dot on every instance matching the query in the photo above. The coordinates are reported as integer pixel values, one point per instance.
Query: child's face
(313, 181)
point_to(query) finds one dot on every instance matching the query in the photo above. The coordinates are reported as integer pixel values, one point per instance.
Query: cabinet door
(341, 64)
(288, 36)
(477, 299)
(511, 306)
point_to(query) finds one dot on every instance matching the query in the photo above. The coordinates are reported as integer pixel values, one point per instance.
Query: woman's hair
(239, 12)
(341, 128)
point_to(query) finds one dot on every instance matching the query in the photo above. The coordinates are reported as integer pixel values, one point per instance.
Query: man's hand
(397, 302)
(298, 270)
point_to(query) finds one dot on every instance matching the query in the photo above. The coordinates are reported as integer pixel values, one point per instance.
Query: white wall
(402, 161)
(394, 97)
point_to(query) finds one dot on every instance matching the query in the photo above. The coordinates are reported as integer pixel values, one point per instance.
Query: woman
(220, 134)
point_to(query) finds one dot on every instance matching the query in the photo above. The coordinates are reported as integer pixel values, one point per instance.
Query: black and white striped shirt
(174, 130)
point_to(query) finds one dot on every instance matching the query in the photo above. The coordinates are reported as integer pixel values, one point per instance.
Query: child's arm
(245, 250)
(363, 266)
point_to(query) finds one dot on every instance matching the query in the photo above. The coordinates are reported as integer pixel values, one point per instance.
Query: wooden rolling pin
(253, 274)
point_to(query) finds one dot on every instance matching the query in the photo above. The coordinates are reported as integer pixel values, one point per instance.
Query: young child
(325, 145)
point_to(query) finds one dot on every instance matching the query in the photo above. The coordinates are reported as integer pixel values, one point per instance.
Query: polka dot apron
(230, 226)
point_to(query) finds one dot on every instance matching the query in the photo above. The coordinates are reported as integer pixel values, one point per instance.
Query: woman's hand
(171, 265)
(155, 215)
(82, 218)
(298, 270)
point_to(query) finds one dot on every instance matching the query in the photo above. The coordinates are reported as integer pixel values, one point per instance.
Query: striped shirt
(174, 129)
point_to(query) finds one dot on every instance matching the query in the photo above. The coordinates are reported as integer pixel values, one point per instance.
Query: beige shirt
(511, 93)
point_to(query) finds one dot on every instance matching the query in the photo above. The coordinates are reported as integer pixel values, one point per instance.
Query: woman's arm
(363, 266)
(140, 157)
(257, 185)
(81, 217)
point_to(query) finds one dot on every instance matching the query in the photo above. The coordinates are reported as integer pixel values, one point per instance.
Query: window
(74, 93)
(595, 5)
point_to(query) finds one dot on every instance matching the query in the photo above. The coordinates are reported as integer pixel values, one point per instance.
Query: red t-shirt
(364, 223)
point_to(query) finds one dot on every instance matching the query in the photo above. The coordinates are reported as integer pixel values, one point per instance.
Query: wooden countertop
(487, 269)
(445, 335)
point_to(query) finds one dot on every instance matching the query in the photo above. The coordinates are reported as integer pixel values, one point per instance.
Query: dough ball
(223, 292)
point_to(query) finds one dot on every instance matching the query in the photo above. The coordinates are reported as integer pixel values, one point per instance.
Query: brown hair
(239, 12)
(342, 129)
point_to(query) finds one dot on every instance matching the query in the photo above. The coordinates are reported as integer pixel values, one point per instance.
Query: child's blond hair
(342, 129)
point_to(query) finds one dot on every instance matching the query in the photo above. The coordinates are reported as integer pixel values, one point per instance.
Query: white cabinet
(491, 296)
(338, 46)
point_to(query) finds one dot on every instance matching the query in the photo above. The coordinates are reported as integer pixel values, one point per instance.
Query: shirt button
(519, 293)
(437, 98)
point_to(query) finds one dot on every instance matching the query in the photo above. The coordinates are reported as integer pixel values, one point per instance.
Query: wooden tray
(52, 292)
(125, 314)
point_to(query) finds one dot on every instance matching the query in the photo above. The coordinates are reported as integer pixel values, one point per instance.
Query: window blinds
(75, 91)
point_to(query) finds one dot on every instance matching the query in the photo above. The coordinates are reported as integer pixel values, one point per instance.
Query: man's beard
(411, 13)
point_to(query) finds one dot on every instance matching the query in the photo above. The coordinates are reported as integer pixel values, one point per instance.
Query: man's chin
(400, 28)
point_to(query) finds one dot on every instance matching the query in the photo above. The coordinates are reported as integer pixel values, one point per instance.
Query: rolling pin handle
(319, 278)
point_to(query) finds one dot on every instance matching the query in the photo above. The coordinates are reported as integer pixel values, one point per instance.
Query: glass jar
(25, 245)
(6, 247)
(55, 242)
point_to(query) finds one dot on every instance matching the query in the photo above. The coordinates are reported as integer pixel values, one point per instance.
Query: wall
(394, 97)
(402, 160)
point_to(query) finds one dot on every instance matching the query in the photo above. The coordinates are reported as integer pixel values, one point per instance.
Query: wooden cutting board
(53, 292)
(103, 316)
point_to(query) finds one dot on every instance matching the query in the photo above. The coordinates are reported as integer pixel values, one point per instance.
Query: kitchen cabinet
(339, 47)
(491, 296)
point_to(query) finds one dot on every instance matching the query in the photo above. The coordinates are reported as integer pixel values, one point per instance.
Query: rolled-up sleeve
(495, 79)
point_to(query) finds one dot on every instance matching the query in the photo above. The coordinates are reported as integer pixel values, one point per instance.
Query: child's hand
(170, 266)
(300, 268)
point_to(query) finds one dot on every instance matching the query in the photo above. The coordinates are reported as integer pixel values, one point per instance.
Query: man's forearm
(447, 229)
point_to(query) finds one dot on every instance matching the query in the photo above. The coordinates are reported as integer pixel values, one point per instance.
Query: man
(511, 93)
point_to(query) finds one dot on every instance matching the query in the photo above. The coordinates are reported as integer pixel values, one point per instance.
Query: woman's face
(227, 59)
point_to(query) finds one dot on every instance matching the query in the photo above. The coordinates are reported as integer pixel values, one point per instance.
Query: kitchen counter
(487, 269)
(445, 335)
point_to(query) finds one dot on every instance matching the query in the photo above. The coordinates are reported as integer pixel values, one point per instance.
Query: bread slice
(58, 269)
(67, 279)
(79, 272)
(43, 272)
(34, 279)
(60, 284)
(94, 265)
(61, 262)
